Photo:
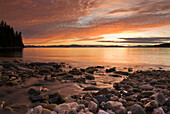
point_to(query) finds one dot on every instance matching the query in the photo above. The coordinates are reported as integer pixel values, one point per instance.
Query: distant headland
(9, 38)
(97, 46)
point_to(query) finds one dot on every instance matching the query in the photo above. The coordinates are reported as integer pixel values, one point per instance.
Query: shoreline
(94, 89)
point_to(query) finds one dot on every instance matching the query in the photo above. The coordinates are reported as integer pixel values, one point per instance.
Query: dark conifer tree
(10, 38)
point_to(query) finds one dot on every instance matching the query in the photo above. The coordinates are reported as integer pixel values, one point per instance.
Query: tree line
(9, 37)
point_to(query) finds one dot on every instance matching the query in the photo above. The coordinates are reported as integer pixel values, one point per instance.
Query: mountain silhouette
(9, 38)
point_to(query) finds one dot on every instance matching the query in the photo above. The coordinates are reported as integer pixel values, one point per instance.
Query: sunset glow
(89, 22)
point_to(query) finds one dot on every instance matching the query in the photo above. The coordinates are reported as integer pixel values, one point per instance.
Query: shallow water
(92, 56)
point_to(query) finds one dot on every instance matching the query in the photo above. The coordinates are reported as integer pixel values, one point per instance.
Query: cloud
(44, 21)
(140, 40)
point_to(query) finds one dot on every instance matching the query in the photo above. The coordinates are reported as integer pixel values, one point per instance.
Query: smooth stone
(102, 112)
(160, 98)
(62, 108)
(113, 105)
(92, 106)
(160, 110)
(146, 87)
(137, 109)
(35, 110)
(156, 112)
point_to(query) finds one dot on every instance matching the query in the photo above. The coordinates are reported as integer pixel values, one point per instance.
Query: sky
(89, 22)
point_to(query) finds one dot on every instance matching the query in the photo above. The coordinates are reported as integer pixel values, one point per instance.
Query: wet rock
(92, 106)
(137, 109)
(130, 69)
(146, 87)
(115, 75)
(159, 109)
(90, 88)
(36, 110)
(91, 70)
(111, 70)
(80, 80)
(160, 98)
(151, 105)
(89, 77)
(36, 98)
(99, 66)
(122, 73)
(101, 99)
(147, 93)
(75, 71)
(33, 92)
(45, 69)
(102, 112)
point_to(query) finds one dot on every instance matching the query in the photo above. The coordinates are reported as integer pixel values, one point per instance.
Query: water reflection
(11, 53)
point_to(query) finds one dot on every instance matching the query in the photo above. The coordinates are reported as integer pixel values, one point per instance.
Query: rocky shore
(38, 88)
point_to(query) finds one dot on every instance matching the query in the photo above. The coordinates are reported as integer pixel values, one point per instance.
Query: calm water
(135, 56)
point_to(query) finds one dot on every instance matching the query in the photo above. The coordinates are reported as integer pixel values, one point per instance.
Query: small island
(9, 38)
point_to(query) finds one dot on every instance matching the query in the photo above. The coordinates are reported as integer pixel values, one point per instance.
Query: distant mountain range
(9, 38)
(74, 45)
